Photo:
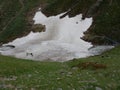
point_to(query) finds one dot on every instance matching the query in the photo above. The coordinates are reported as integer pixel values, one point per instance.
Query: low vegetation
(14, 16)
(93, 73)
(106, 23)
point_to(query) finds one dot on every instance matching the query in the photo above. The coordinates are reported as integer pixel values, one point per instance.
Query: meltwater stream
(60, 42)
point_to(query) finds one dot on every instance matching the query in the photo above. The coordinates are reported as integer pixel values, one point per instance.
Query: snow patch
(60, 42)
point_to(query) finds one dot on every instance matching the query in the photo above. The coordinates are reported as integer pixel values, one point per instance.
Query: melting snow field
(60, 42)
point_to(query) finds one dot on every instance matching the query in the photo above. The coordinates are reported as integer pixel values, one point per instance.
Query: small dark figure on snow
(31, 54)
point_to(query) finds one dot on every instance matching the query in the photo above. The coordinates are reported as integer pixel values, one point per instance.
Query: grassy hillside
(14, 17)
(17, 74)
(106, 23)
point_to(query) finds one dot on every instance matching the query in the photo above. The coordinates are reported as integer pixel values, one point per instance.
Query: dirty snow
(60, 42)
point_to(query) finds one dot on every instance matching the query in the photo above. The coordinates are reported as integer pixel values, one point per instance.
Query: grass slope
(13, 18)
(33, 75)
(106, 23)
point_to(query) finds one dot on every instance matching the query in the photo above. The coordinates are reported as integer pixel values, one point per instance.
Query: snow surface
(60, 42)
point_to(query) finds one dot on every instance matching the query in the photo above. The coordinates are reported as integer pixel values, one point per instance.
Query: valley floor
(94, 73)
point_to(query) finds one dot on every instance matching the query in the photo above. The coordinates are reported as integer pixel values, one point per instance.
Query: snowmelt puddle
(60, 42)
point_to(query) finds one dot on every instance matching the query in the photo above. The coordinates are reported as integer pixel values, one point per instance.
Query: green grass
(27, 74)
